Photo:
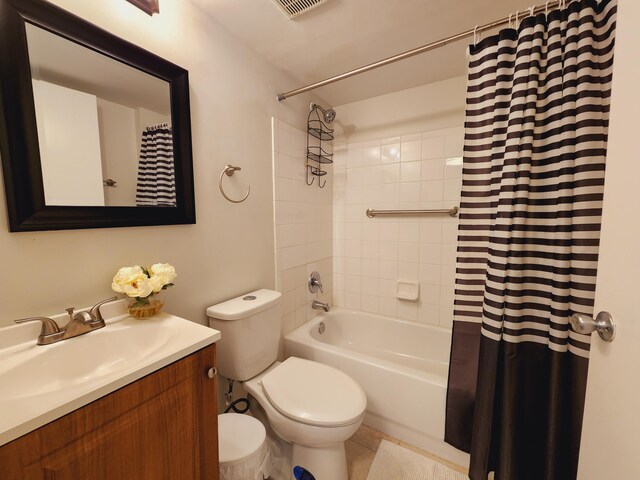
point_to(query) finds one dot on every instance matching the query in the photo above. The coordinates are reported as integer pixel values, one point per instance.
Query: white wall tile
(453, 145)
(430, 273)
(373, 254)
(431, 253)
(408, 310)
(389, 231)
(390, 173)
(370, 286)
(388, 306)
(388, 269)
(449, 254)
(447, 275)
(409, 252)
(371, 231)
(390, 153)
(304, 224)
(387, 287)
(449, 232)
(409, 192)
(370, 249)
(371, 156)
(370, 268)
(389, 250)
(451, 190)
(431, 191)
(428, 313)
(411, 151)
(432, 147)
(433, 169)
(410, 171)
(353, 300)
(370, 303)
(354, 157)
(431, 233)
(409, 232)
(408, 270)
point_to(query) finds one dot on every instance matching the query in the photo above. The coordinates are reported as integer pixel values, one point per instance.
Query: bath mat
(393, 462)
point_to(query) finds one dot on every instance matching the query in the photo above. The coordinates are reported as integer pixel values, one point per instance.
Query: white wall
(230, 250)
(403, 151)
(303, 218)
(118, 144)
(424, 108)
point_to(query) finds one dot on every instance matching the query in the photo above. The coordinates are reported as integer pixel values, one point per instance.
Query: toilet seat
(314, 394)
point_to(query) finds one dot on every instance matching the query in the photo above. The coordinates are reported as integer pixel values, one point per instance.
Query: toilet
(313, 407)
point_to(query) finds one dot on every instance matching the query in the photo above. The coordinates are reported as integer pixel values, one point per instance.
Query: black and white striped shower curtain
(533, 177)
(156, 175)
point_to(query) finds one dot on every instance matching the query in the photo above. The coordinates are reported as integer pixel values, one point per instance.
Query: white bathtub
(401, 365)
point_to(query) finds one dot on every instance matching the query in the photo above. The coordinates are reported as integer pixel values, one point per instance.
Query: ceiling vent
(294, 8)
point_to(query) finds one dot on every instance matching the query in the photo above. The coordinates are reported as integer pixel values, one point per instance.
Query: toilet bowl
(312, 407)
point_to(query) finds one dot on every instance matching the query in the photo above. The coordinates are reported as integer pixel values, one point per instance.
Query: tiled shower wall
(417, 170)
(303, 227)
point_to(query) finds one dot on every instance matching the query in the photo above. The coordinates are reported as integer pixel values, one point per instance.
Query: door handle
(603, 324)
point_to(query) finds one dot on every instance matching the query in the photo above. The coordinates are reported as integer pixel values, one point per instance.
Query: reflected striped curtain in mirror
(156, 174)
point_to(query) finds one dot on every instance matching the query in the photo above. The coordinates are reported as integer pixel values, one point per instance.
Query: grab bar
(452, 212)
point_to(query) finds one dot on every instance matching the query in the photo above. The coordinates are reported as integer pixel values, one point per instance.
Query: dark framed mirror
(95, 132)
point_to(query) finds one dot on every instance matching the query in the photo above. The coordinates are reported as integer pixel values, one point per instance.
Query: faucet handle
(314, 283)
(50, 331)
(95, 310)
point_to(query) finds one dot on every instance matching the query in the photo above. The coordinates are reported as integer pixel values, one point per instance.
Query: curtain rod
(422, 49)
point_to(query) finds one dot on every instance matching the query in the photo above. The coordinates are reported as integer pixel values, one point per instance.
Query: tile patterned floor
(362, 448)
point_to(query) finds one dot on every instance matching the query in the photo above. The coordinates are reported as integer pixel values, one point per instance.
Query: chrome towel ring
(229, 170)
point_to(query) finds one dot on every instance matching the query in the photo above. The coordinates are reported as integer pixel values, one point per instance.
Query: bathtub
(401, 365)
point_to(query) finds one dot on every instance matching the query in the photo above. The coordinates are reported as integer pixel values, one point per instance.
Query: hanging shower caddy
(318, 134)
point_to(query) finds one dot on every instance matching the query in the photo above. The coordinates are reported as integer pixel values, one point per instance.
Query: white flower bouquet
(143, 283)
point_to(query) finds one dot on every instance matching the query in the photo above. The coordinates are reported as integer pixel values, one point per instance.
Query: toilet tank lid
(244, 305)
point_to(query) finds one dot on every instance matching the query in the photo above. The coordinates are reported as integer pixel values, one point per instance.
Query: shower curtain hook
(517, 13)
(475, 38)
(510, 15)
(532, 8)
(546, 8)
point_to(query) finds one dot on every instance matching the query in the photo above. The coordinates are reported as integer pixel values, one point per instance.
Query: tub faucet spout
(318, 305)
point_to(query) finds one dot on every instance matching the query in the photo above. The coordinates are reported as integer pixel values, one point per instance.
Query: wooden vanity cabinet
(163, 426)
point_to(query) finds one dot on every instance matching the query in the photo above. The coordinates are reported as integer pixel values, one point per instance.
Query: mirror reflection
(104, 128)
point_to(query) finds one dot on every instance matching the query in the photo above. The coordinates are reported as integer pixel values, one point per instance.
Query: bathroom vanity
(135, 400)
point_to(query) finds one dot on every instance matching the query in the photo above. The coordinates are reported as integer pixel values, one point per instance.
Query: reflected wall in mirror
(94, 131)
(99, 120)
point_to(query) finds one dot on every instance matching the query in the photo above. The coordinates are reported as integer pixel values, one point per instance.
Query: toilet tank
(250, 328)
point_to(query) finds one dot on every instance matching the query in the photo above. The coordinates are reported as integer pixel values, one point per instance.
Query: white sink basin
(41, 383)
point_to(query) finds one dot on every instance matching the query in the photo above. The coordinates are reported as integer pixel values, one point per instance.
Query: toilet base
(325, 463)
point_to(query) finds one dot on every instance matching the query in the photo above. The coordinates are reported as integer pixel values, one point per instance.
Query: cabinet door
(164, 426)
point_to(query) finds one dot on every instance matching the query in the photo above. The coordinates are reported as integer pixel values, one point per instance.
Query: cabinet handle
(212, 372)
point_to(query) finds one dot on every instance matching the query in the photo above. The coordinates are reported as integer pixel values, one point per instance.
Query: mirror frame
(19, 147)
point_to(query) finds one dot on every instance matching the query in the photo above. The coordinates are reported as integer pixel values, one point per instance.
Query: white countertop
(39, 384)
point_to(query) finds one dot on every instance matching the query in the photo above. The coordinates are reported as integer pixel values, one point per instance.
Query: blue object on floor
(302, 474)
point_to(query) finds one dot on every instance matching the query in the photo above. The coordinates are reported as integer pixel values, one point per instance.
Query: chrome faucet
(318, 305)
(79, 323)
